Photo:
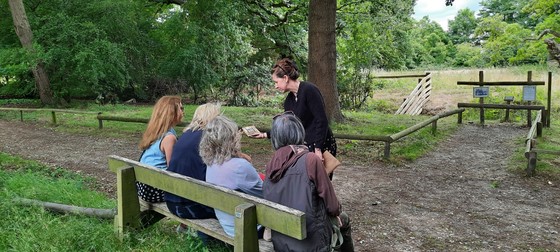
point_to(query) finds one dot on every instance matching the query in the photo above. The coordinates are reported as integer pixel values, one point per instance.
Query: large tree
(509, 10)
(322, 53)
(25, 35)
(461, 28)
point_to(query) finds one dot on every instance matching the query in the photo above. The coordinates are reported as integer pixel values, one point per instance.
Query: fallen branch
(69, 209)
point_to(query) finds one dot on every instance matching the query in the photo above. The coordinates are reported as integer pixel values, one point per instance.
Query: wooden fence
(529, 108)
(481, 105)
(101, 118)
(432, 120)
(531, 142)
(386, 139)
(420, 95)
(53, 112)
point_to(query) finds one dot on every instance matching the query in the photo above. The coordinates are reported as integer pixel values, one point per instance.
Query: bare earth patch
(460, 197)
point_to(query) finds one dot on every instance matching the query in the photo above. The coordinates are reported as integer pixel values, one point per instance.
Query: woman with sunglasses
(158, 141)
(296, 178)
(305, 101)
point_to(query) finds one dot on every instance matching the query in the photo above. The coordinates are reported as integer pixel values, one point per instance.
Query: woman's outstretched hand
(259, 135)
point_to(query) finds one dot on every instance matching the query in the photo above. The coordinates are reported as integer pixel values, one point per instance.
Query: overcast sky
(438, 12)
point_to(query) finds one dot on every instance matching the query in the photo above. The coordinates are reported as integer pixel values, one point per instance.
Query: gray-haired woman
(220, 149)
(297, 178)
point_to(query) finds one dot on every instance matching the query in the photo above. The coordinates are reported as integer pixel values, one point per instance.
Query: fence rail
(53, 112)
(387, 139)
(529, 108)
(101, 118)
(530, 142)
(432, 120)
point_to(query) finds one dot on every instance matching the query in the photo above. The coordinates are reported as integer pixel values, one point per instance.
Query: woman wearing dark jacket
(306, 102)
(296, 178)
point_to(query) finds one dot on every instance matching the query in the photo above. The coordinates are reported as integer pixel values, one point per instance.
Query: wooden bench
(248, 210)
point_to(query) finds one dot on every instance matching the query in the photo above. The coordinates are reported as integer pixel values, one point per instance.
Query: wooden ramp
(416, 100)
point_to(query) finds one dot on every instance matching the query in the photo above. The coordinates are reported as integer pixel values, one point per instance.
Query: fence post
(434, 127)
(481, 99)
(460, 117)
(532, 164)
(508, 100)
(387, 151)
(100, 121)
(53, 117)
(547, 122)
(21, 115)
(529, 119)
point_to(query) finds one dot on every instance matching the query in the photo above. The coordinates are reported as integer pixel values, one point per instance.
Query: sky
(438, 12)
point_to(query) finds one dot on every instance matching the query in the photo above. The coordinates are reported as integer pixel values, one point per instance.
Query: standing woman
(158, 141)
(306, 102)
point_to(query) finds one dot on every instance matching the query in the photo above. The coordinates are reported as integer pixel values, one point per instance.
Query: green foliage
(354, 88)
(14, 67)
(433, 46)
(509, 10)
(503, 47)
(370, 35)
(20, 102)
(83, 54)
(550, 22)
(222, 50)
(469, 56)
(462, 27)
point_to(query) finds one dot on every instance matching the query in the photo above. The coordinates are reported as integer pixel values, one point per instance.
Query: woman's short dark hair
(286, 130)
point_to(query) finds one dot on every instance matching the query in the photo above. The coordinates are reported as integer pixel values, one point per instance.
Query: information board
(529, 93)
(479, 92)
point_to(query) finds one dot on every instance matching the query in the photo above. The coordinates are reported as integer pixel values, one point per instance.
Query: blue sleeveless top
(153, 155)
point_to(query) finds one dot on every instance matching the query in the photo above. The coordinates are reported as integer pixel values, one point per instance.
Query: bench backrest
(277, 217)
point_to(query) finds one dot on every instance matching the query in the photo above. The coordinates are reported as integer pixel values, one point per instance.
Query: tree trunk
(322, 54)
(23, 31)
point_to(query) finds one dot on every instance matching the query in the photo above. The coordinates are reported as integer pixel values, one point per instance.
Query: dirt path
(460, 197)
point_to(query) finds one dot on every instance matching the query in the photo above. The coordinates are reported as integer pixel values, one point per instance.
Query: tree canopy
(208, 50)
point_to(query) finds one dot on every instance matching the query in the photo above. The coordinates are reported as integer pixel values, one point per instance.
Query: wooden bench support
(246, 222)
(128, 207)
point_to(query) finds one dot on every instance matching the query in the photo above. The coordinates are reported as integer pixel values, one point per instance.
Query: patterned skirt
(149, 193)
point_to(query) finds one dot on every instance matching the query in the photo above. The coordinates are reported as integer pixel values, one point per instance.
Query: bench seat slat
(210, 227)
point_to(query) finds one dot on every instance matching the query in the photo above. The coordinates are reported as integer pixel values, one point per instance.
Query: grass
(35, 229)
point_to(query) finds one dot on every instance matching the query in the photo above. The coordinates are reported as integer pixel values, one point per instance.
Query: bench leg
(128, 206)
(246, 238)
